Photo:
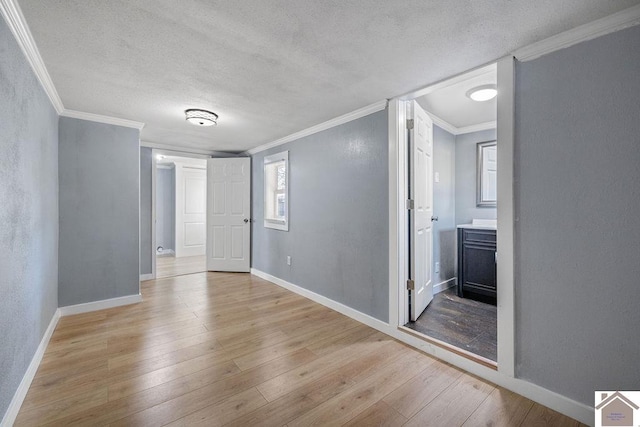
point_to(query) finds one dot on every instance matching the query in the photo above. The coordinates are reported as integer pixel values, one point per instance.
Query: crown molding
(609, 24)
(477, 128)
(15, 20)
(102, 119)
(443, 124)
(345, 118)
(176, 150)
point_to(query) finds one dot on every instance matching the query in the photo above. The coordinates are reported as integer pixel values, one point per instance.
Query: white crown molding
(101, 119)
(609, 24)
(365, 111)
(176, 150)
(15, 20)
(443, 124)
(477, 128)
(21, 392)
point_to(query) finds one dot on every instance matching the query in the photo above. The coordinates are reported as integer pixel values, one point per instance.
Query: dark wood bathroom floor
(464, 323)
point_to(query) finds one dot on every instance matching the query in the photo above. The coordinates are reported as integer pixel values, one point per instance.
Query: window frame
(270, 222)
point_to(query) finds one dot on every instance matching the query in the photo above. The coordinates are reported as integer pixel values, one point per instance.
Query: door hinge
(410, 204)
(411, 284)
(409, 124)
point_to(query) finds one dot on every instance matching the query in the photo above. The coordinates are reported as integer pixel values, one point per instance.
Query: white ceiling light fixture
(482, 93)
(201, 117)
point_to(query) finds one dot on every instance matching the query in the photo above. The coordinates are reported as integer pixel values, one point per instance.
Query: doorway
(180, 215)
(462, 315)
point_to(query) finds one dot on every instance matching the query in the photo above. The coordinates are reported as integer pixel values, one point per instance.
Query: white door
(191, 210)
(421, 192)
(229, 207)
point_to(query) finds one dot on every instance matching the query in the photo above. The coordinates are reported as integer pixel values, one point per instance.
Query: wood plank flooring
(169, 266)
(462, 322)
(218, 349)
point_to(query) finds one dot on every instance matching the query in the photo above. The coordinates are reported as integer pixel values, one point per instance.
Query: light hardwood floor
(232, 349)
(169, 266)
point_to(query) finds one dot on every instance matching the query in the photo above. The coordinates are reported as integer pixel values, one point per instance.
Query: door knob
(246, 220)
(434, 218)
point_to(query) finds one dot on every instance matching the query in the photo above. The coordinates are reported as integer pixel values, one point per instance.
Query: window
(276, 191)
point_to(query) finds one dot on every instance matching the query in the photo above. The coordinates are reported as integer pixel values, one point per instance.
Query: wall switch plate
(437, 267)
(288, 260)
(437, 177)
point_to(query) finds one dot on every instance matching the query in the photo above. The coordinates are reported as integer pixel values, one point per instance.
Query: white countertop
(481, 224)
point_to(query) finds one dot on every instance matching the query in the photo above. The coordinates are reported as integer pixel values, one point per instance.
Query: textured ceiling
(270, 68)
(451, 104)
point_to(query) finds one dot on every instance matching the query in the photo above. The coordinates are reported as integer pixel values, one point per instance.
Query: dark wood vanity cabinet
(477, 264)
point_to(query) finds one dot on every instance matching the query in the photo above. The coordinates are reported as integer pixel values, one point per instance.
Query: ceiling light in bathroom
(482, 93)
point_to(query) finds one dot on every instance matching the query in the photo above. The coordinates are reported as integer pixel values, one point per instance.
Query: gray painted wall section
(577, 204)
(166, 208)
(466, 209)
(28, 214)
(146, 250)
(444, 205)
(99, 170)
(338, 233)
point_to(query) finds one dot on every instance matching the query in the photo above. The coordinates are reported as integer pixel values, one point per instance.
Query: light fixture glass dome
(201, 117)
(482, 93)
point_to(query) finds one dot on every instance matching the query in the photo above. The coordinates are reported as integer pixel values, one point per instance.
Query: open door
(228, 214)
(421, 213)
(191, 211)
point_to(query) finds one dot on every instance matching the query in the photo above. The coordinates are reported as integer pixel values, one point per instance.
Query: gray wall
(577, 231)
(28, 214)
(99, 167)
(466, 209)
(338, 234)
(166, 208)
(444, 204)
(146, 250)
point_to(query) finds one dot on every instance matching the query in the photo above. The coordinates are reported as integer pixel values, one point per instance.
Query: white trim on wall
(21, 392)
(178, 150)
(345, 118)
(444, 285)
(15, 20)
(145, 277)
(453, 130)
(506, 217)
(100, 305)
(531, 391)
(101, 119)
(600, 27)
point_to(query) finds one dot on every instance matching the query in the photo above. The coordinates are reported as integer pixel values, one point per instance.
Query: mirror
(487, 166)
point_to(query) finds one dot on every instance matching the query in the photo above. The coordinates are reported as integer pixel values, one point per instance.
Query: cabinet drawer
(479, 236)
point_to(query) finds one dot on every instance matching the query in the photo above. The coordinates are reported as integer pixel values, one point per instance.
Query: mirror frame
(480, 202)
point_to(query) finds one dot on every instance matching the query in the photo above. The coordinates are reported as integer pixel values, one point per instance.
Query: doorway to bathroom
(451, 162)
(180, 215)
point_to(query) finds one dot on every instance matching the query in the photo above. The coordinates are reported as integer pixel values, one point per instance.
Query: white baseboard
(14, 407)
(555, 401)
(144, 277)
(100, 305)
(443, 286)
(327, 302)
(166, 253)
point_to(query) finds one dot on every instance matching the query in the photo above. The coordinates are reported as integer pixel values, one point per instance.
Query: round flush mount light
(482, 93)
(201, 117)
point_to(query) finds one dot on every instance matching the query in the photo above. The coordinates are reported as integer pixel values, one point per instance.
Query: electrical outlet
(437, 267)
(288, 260)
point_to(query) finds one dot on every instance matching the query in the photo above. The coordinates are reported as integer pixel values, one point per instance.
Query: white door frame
(155, 152)
(398, 235)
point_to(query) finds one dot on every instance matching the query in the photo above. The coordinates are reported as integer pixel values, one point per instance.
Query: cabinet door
(479, 269)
